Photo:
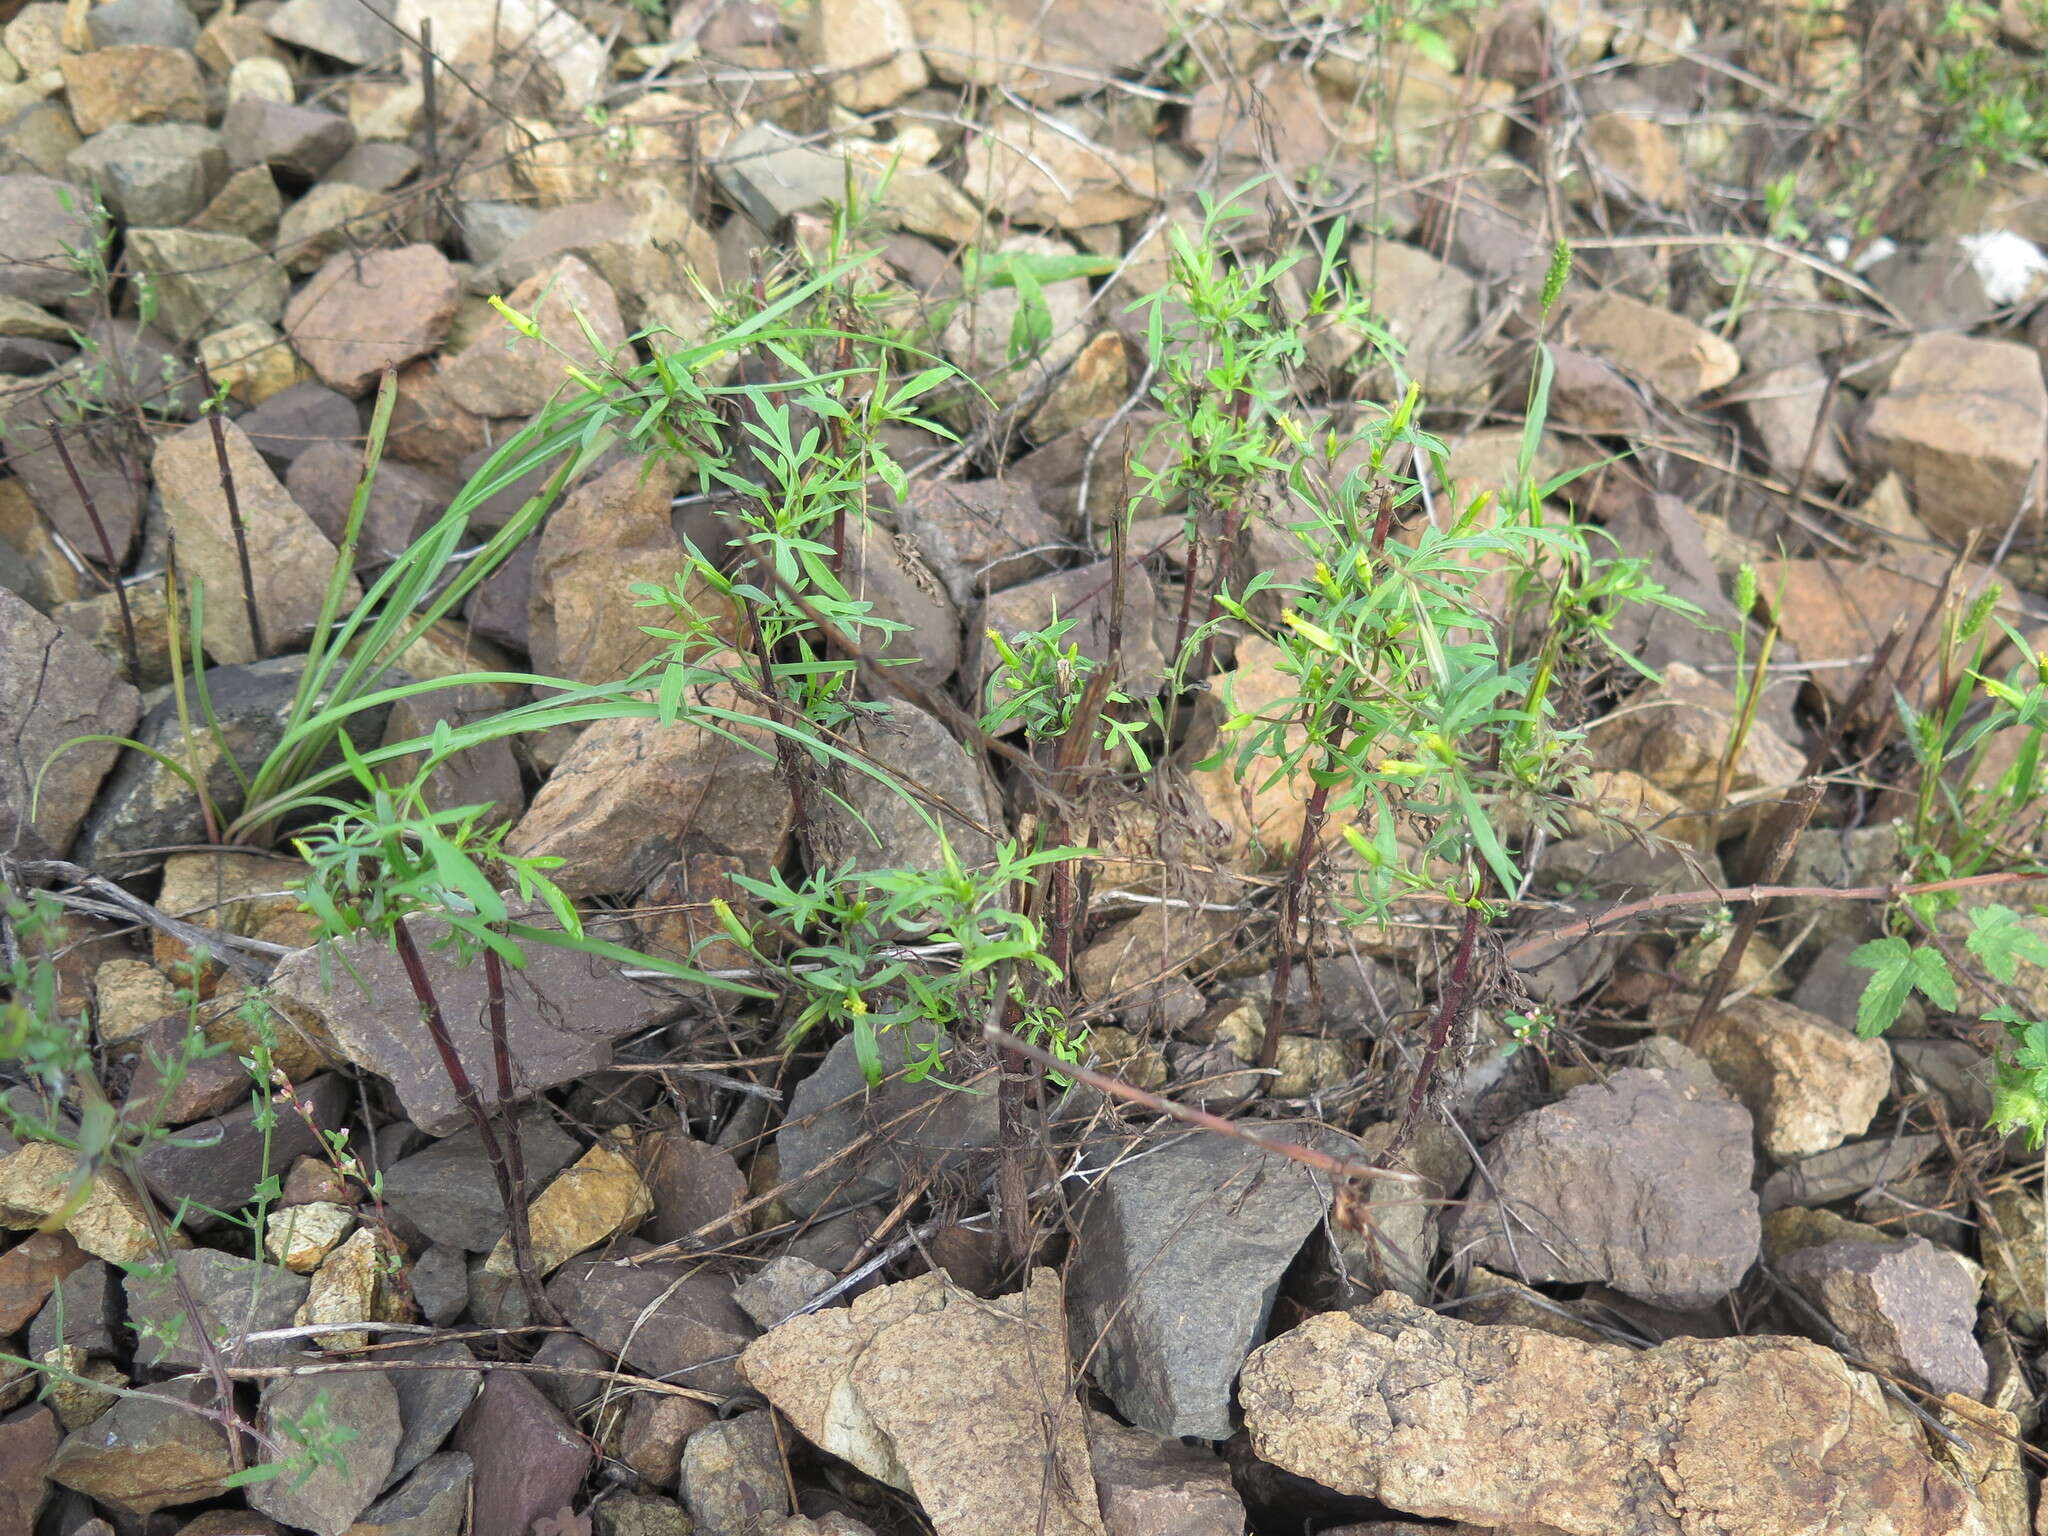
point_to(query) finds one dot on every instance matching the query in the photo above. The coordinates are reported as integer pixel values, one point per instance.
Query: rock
(354, 31)
(297, 141)
(1784, 411)
(980, 337)
(132, 83)
(234, 1296)
(405, 500)
(732, 1476)
(979, 536)
(375, 166)
(30, 1271)
(1634, 1183)
(110, 1223)
(83, 1313)
(102, 452)
(334, 215)
(867, 50)
(834, 1105)
(1908, 1308)
(434, 1501)
(431, 1402)
(1152, 1487)
(161, 23)
(218, 1163)
(887, 574)
(148, 1452)
(503, 373)
(291, 559)
(1402, 1221)
(39, 218)
(204, 282)
(1676, 738)
(252, 360)
(516, 56)
(599, 1197)
(54, 687)
(298, 419)
(1511, 1427)
(1177, 1265)
(676, 1321)
(263, 77)
(354, 1284)
(1034, 170)
(528, 1461)
(1809, 1084)
(151, 173)
(562, 1012)
(1961, 421)
(335, 1493)
(248, 205)
(780, 1288)
(944, 1396)
(633, 793)
(363, 313)
(649, 1437)
(609, 534)
(693, 1184)
(300, 1236)
(2016, 1272)
(641, 1514)
(769, 174)
(870, 821)
(28, 1440)
(429, 428)
(1847, 1170)
(1640, 153)
(1428, 306)
(1678, 359)
(448, 1192)
(440, 1283)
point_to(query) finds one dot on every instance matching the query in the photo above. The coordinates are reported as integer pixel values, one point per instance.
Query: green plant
(1041, 685)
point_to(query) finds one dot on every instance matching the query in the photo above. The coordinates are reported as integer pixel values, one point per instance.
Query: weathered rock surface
(869, 821)
(1152, 1487)
(562, 1011)
(1634, 1182)
(599, 1196)
(608, 535)
(1808, 1083)
(691, 1332)
(53, 687)
(234, 1297)
(1178, 1262)
(1909, 1308)
(448, 1192)
(732, 1476)
(959, 1402)
(505, 373)
(1509, 1426)
(434, 1501)
(528, 1463)
(363, 313)
(147, 1452)
(330, 1499)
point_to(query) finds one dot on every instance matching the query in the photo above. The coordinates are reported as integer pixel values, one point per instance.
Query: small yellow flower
(516, 320)
(855, 1004)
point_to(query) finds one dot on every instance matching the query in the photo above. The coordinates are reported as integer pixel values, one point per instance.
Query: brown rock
(334, 215)
(28, 1440)
(1784, 411)
(427, 427)
(1961, 421)
(1434, 1417)
(677, 1321)
(1640, 153)
(133, 83)
(1040, 175)
(1153, 1487)
(1809, 1084)
(148, 1452)
(361, 314)
(651, 1434)
(599, 1196)
(53, 687)
(1909, 1308)
(35, 1184)
(249, 205)
(29, 1271)
(1678, 359)
(503, 373)
(1081, 595)
(39, 217)
(978, 536)
(693, 1184)
(405, 500)
(943, 1395)
(252, 360)
(290, 558)
(1675, 733)
(609, 534)
(529, 1462)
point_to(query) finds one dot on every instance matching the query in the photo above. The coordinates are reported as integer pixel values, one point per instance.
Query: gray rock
(207, 282)
(569, 1388)
(217, 1164)
(163, 23)
(329, 1500)
(1630, 1182)
(102, 450)
(563, 1010)
(778, 1288)
(675, 1321)
(440, 1283)
(528, 1461)
(430, 1402)
(930, 1127)
(489, 229)
(770, 174)
(732, 1476)
(404, 499)
(39, 219)
(872, 823)
(144, 805)
(25, 356)
(434, 1501)
(354, 31)
(692, 1184)
(299, 141)
(54, 686)
(884, 571)
(148, 1452)
(449, 1192)
(294, 420)
(1909, 1308)
(376, 164)
(84, 1312)
(1179, 1258)
(234, 1297)
(1848, 1170)
(1154, 1487)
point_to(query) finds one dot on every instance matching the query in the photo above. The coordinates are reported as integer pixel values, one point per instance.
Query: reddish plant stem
(92, 514)
(1226, 557)
(472, 1104)
(227, 488)
(1448, 1012)
(1291, 903)
(518, 1223)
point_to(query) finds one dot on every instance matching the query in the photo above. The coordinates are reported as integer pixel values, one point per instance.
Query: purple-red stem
(92, 513)
(227, 487)
(1447, 1015)
(1290, 904)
